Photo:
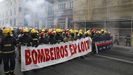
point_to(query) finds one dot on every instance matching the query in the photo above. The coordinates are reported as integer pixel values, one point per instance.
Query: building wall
(115, 10)
(98, 10)
(50, 15)
(9, 13)
(63, 11)
(80, 10)
(112, 9)
(111, 14)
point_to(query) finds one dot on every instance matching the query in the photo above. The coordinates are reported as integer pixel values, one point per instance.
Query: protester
(35, 37)
(32, 37)
(24, 40)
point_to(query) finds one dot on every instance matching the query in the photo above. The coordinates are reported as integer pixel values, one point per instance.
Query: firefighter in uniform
(72, 34)
(44, 38)
(59, 35)
(52, 34)
(87, 33)
(76, 34)
(24, 40)
(93, 32)
(1, 36)
(35, 37)
(98, 38)
(128, 40)
(80, 34)
(66, 35)
(104, 39)
(8, 51)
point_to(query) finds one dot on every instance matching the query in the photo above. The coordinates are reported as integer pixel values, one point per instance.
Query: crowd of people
(34, 37)
(12, 38)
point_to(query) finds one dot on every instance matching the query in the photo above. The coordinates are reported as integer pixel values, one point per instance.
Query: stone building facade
(114, 15)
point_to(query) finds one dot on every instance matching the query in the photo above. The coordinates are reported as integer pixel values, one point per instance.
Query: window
(62, 6)
(71, 4)
(59, 6)
(20, 9)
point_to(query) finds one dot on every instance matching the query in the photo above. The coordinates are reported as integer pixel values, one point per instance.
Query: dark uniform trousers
(9, 62)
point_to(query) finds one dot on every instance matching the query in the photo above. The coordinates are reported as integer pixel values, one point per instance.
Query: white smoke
(38, 9)
(35, 6)
(1, 0)
(35, 9)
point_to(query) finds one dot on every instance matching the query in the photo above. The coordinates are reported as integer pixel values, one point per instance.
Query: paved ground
(118, 61)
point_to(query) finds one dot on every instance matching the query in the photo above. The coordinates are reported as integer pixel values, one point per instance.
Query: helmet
(50, 30)
(7, 31)
(66, 30)
(80, 33)
(12, 28)
(43, 30)
(88, 32)
(75, 31)
(54, 32)
(71, 31)
(34, 31)
(25, 30)
(59, 30)
(98, 32)
(80, 30)
(103, 30)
